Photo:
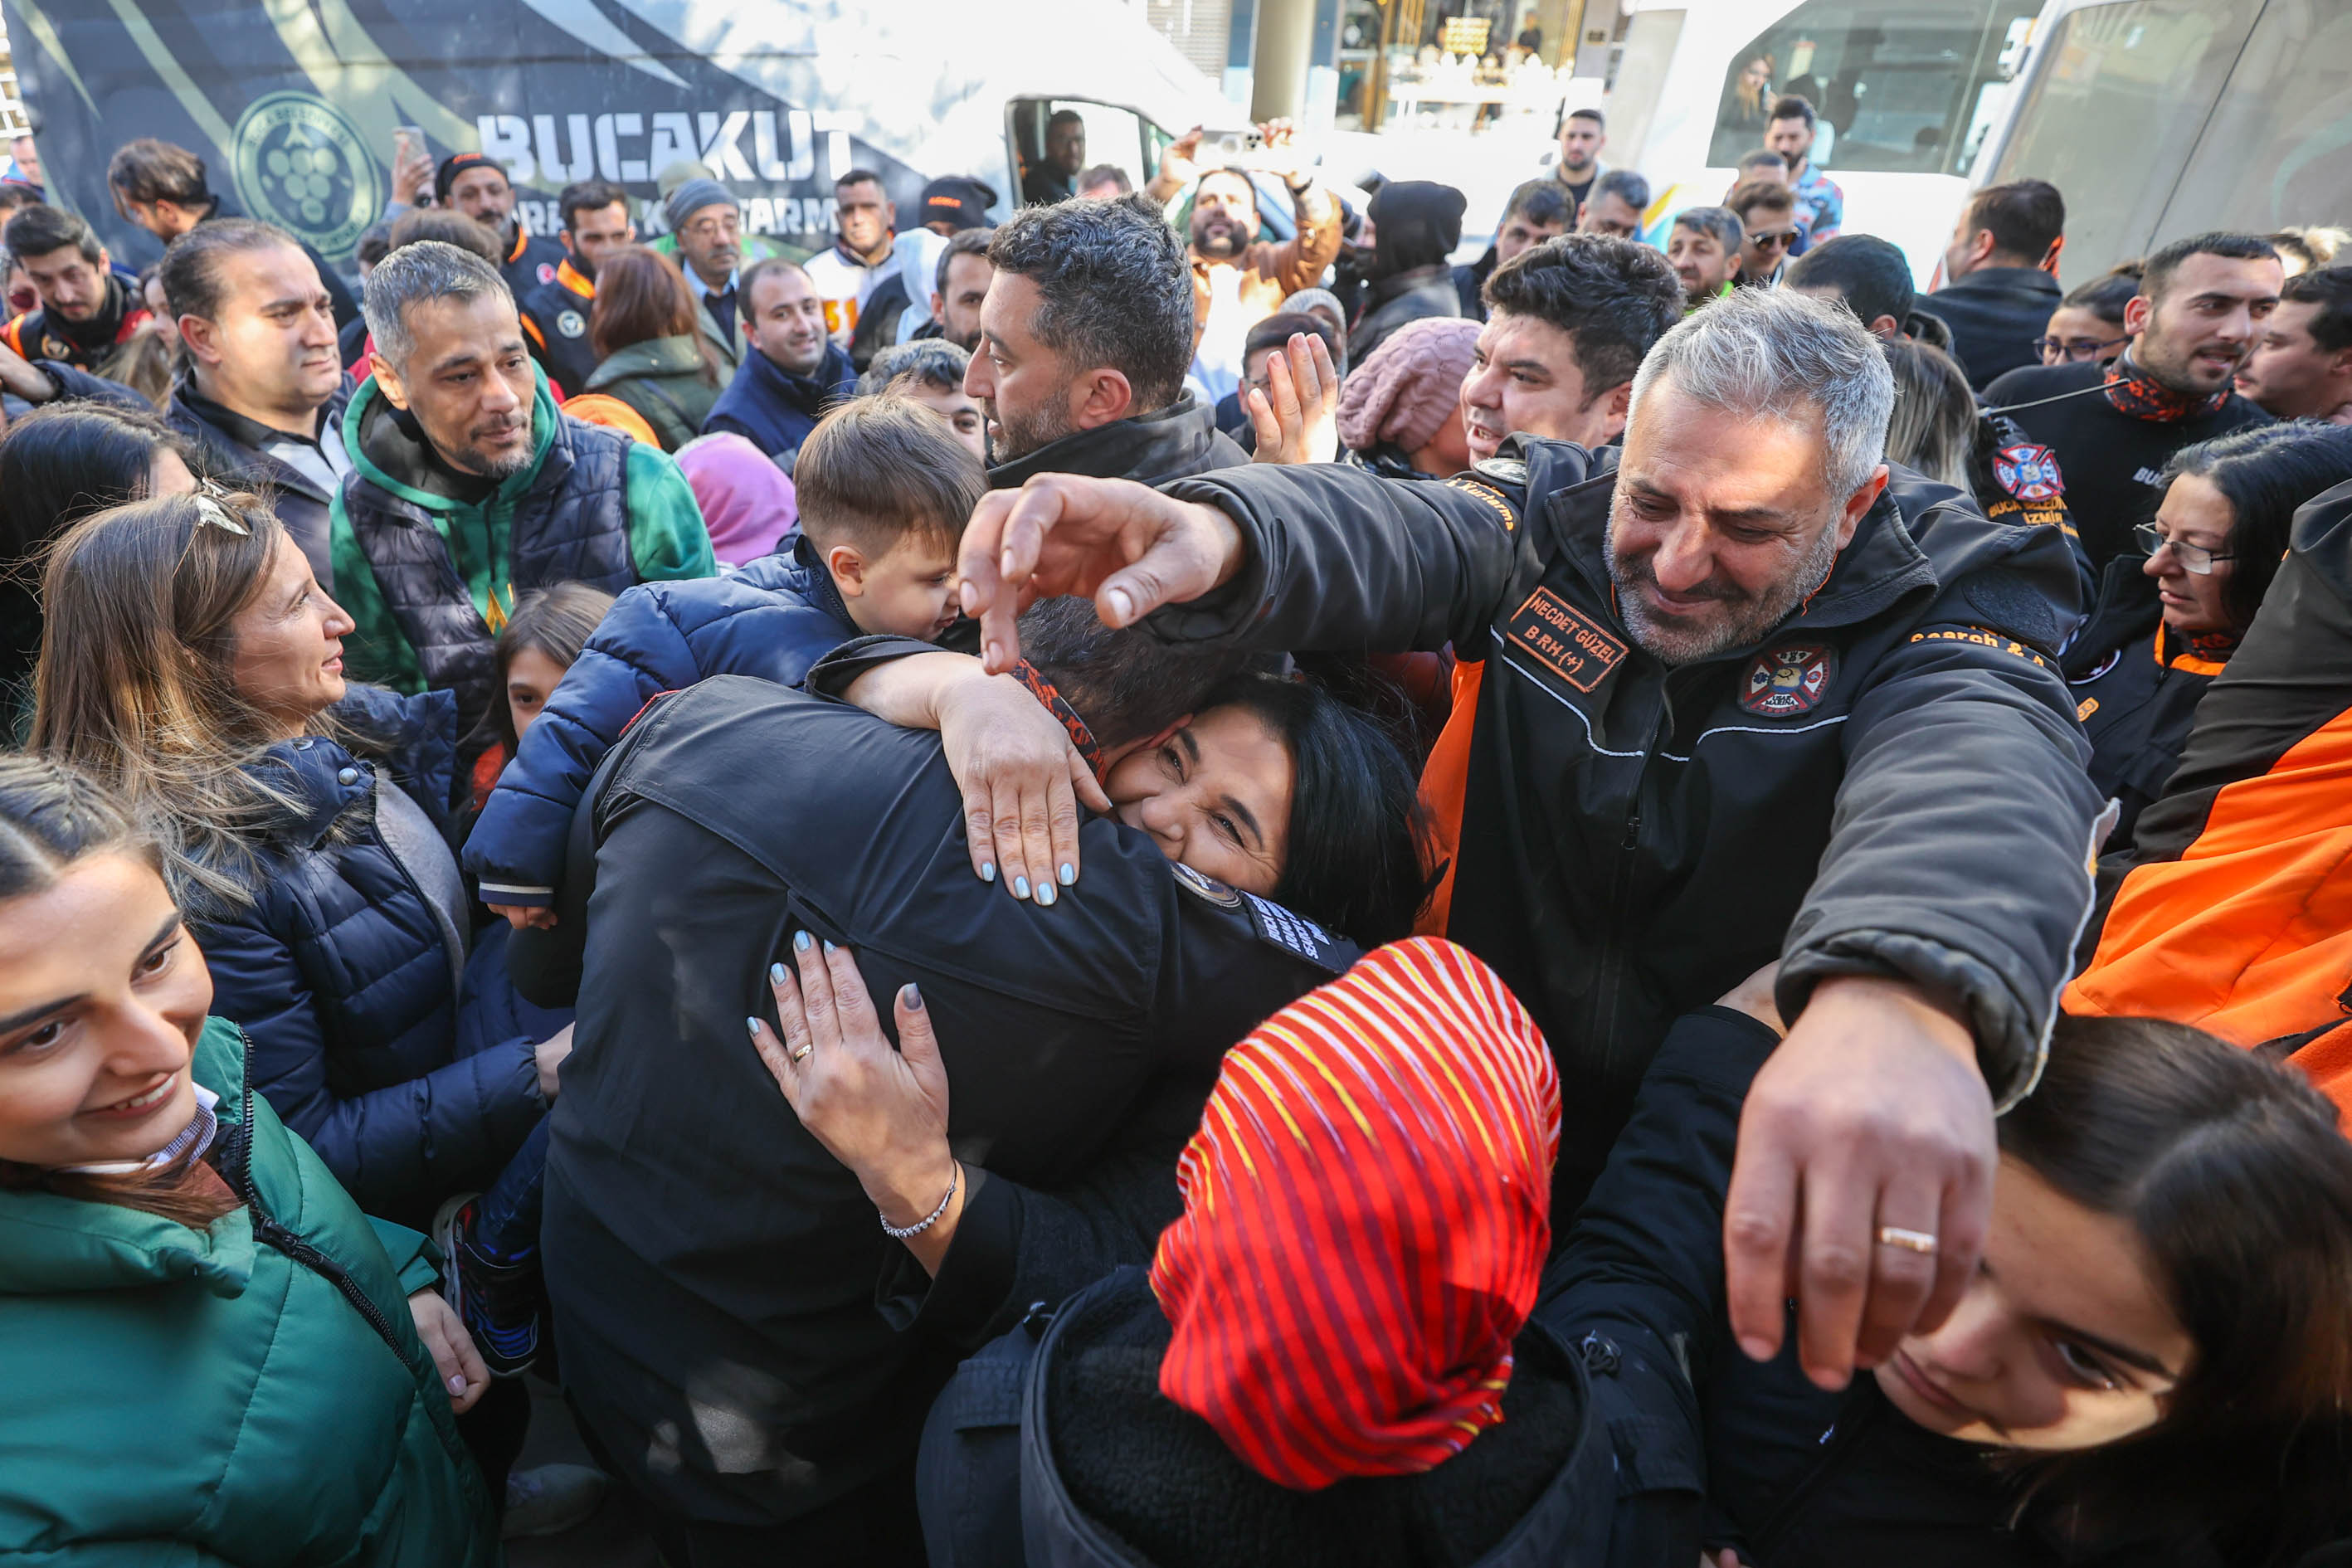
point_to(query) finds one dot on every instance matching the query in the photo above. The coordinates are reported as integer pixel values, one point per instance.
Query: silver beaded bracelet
(897, 1233)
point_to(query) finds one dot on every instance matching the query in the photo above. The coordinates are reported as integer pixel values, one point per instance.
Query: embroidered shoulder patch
(1491, 496)
(1982, 636)
(571, 324)
(1501, 470)
(1566, 640)
(2099, 669)
(1296, 933)
(2028, 471)
(1785, 682)
(1207, 888)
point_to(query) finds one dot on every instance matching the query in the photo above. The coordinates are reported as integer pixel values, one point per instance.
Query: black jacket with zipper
(1995, 314)
(1170, 443)
(1890, 783)
(234, 450)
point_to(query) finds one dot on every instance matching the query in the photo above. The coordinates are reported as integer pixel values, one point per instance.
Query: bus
(2158, 119)
(1907, 92)
(294, 107)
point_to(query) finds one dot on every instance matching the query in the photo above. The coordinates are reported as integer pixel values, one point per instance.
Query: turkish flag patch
(1785, 682)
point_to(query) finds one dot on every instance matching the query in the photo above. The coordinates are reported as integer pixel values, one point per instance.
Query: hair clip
(209, 511)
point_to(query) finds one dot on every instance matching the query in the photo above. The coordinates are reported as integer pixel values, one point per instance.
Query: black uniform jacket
(2138, 705)
(555, 318)
(713, 1269)
(1890, 783)
(2108, 461)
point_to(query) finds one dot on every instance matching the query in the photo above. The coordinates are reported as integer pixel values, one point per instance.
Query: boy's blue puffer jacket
(772, 619)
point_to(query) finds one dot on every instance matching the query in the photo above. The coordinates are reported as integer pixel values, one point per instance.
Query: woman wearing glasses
(2215, 543)
(2088, 323)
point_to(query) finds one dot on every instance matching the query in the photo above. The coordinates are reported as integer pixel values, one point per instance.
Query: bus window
(1118, 137)
(2113, 111)
(1901, 88)
(2273, 154)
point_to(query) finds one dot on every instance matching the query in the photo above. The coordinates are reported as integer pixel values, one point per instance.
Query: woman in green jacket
(214, 1357)
(651, 357)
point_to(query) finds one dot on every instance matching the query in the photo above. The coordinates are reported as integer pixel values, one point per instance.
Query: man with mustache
(1084, 336)
(708, 228)
(467, 487)
(1567, 322)
(261, 389)
(1239, 280)
(2102, 432)
(1740, 694)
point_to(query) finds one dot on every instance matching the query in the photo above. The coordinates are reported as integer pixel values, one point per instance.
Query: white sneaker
(550, 1498)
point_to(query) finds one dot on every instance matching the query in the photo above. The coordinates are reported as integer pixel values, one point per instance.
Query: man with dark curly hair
(1085, 336)
(1567, 324)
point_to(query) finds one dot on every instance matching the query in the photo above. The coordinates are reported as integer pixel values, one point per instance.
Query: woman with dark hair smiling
(2219, 536)
(213, 1356)
(2152, 1367)
(192, 663)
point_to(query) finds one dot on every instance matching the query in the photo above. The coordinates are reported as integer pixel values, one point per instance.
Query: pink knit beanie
(1403, 391)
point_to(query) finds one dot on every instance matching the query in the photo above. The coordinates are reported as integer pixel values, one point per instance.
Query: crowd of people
(1129, 885)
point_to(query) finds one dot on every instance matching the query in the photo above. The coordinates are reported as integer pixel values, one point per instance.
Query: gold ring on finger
(1919, 1241)
(803, 1054)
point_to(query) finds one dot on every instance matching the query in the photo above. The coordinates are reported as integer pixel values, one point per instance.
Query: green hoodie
(188, 1398)
(666, 536)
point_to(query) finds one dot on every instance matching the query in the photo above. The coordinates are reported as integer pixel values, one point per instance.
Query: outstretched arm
(1308, 558)
(1921, 975)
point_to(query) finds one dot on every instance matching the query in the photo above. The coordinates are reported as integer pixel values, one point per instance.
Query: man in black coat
(713, 1269)
(2101, 433)
(1738, 696)
(2000, 281)
(1085, 335)
(793, 371)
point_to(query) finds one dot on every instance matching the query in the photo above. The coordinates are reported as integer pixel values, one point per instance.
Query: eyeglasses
(2053, 349)
(1774, 239)
(2193, 558)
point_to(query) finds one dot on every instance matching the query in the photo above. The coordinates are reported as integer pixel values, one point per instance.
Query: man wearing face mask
(794, 370)
(1239, 280)
(467, 487)
(1739, 694)
(1085, 334)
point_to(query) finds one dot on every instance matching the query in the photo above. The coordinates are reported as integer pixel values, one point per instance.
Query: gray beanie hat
(691, 198)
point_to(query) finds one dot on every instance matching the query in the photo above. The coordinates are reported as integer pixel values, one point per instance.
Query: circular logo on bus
(302, 166)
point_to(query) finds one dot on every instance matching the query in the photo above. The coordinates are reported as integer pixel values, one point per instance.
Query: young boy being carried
(884, 489)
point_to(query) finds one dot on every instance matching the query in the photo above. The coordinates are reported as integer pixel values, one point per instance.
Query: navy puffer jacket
(339, 972)
(772, 619)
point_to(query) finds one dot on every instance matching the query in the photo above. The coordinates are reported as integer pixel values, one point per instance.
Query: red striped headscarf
(1367, 1208)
